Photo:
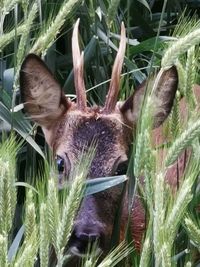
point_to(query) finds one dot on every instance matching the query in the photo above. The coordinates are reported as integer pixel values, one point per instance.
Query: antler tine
(78, 70)
(111, 98)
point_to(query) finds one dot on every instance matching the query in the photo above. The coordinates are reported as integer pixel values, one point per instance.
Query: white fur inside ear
(119, 104)
(159, 100)
(131, 116)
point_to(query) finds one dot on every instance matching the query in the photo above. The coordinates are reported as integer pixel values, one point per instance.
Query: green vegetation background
(160, 33)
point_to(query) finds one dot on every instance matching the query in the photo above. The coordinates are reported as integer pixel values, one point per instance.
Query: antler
(111, 98)
(78, 70)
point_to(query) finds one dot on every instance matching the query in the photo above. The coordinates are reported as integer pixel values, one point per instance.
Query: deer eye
(122, 168)
(60, 164)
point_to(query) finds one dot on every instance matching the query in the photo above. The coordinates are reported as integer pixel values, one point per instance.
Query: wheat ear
(6, 38)
(179, 47)
(52, 209)
(47, 39)
(23, 41)
(181, 142)
(3, 250)
(44, 236)
(193, 231)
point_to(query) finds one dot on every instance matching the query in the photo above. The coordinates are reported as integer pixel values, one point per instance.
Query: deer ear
(43, 98)
(162, 98)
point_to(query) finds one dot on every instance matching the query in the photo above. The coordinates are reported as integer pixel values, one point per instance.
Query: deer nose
(89, 237)
(83, 238)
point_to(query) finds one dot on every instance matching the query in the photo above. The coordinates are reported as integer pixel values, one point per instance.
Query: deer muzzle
(89, 229)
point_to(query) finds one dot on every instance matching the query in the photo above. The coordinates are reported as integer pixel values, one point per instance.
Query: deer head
(69, 126)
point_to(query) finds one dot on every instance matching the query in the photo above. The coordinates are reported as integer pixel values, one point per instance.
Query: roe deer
(69, 126)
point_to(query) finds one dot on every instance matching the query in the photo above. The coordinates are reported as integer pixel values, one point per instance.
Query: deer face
(69, 126)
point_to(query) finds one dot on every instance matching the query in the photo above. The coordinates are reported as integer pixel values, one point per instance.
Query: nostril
(91, 237)
(94, 237)
(83, 239)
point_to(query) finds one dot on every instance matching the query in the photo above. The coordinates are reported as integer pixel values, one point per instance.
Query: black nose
(83, 238)
(88, 237)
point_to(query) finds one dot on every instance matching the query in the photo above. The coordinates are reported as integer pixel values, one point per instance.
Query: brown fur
(69, 126)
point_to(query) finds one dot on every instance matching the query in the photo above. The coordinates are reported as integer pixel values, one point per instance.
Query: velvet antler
(111, 98)
(78, 70)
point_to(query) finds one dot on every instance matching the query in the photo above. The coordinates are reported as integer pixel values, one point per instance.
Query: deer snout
(83, 238)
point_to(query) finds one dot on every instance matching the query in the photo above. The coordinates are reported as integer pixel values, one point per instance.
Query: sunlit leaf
(100, 184)
(15, 244)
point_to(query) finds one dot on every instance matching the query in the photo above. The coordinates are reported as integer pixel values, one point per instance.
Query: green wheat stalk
(8, 5)
(71, 202)
(181, 76)
(186, 24)
(47, 39)
(190, 77)
(146, 252)
(89, 263)
(174, 122)
(193, 230)
(23, 41)
(165, 255)
(26, 258)
(30, 215)
(8, 150)
(5, 197)
(139, 151)
(52, 210)
(185, 139)
(118, 254)
(159, 212)
(183, 198)
(7, 38)
(92, 256)
(179, 47)
(3, 250)
(44, 236)
(69, 209)
(112, 10)
(25, 5)
(143, 137)
(149, 170)
(167, 215)
(28, 252)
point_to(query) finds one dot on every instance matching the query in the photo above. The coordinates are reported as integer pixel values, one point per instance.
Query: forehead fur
(86, 126)
(77, 131)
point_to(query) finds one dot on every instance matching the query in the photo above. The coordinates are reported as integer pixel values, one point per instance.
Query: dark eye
(60, 164)
(122, 168)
